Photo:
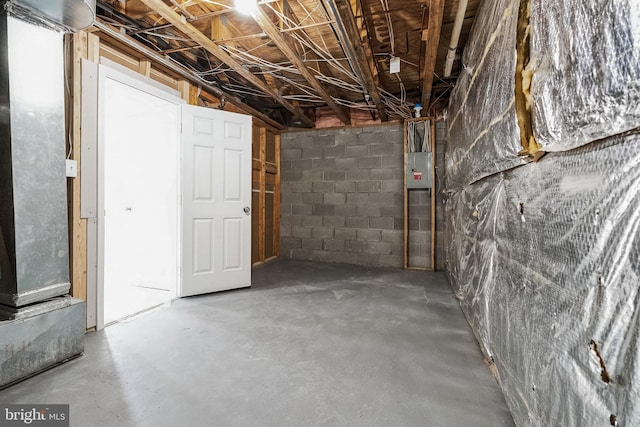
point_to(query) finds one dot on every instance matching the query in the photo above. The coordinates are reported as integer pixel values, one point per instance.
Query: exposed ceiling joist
(436, 9)
(274, 34)
(346, 20)
(174, 18)
(187, 74)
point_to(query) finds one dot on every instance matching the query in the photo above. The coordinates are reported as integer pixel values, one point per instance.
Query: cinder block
(386, 174)
(391, 261)
(357, 222)
(419, 237)
(370, 138)
(302, 232)
(357, 198)
(368, 210)
(285, 165)
(381, 223)
(396, 211)
(347, 163)
(333, 175)
(369, 186)
(358, 174)
(391, 185)
(290, 220)
(312, 175)
(285, 231)
(301, 209)
(326, 140)
(323, 164)
(345, 233)
(312, 221)
(393, 161)
(312, 152)
(356, 151)
(285, 209)
(334, 198)
(333, 152)
(333, 221)
(300, 253)
(301, 164)
(291, 153)
(398, 223)
(322, 209)
(384, 149)
(287, 243)
(395, 237)
(333, 245)
(368, 162)
(355, 245)
(386, 198)
(419, 262)
(291, 175)
(322, 233)
(369, 235)
(346, 210)
(301, 187)
(345, 187)
(312, 198)
(322, 187)
(379, 248)
(312, 243)
(346, 139)
(333, 256)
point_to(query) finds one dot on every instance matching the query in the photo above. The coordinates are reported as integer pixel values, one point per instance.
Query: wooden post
(276, 202)
(262, 195)
(406, 202)
(78, 259)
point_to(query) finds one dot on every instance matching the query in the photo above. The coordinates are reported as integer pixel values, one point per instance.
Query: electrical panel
(419, 170)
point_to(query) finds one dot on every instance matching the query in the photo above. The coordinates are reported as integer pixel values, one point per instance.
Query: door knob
(247, 210)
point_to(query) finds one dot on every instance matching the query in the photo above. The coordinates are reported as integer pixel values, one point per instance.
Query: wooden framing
(194, 34)
(362, 51)
(90, 46)
(266, 173)
(433, 198)
(436, 9)
(274, 34)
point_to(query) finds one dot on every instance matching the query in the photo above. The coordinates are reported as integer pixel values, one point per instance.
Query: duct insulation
(62, 15)
(544, 252)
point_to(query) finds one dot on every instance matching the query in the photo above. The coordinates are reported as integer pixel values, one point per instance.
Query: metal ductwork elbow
(65, 15)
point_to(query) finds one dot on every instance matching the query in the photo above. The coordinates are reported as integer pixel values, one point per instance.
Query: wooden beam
(78, 225)
(436, 9)
(274, 34)
(276, 202)
(118, 37)
(262, 219)
(363, 52)
(192, 32)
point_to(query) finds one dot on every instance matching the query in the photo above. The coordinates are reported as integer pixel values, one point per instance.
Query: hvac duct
(66, 15)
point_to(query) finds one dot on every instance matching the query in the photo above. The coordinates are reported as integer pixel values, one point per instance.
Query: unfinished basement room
(334, 213)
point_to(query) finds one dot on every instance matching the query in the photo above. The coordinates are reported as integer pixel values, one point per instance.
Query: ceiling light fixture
(246, 7)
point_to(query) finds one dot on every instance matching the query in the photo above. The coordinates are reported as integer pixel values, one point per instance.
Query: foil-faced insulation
(545, 256)
(586, 61)
(545, 260)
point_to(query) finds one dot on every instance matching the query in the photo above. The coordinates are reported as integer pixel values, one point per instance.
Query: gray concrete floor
(310, 344)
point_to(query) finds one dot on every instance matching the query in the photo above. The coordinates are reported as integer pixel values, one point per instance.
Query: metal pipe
(455, 36)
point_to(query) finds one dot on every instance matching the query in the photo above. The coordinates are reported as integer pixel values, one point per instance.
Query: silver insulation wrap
(545, 256)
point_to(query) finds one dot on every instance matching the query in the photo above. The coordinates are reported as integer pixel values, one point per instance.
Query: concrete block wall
(341, 195)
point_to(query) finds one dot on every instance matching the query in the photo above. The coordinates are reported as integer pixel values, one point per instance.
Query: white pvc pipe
(455, 36)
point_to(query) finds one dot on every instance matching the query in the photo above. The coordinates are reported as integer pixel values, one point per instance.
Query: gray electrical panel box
(419, 170)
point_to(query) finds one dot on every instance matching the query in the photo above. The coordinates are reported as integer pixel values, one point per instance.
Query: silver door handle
(247, 210)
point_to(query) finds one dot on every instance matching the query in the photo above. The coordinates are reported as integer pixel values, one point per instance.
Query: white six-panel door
(216, 193)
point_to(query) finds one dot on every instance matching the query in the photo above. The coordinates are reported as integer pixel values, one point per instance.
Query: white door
(216, 168)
